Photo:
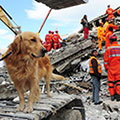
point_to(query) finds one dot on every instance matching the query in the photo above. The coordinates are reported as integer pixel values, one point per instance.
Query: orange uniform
(115, 27)
(48, 39)
(110, 11)
(112, 66)
(105, 25)
(118, 12)
(56, 43)
(101, 34)
(107, 42)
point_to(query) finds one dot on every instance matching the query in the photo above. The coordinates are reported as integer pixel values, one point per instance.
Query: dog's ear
(16, 45)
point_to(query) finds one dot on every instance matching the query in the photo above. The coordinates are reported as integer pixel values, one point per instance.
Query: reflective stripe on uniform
(113, 47)
(114, 55)
(105, 63)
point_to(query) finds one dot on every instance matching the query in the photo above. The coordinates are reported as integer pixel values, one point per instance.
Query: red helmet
(108, 6)
(113, 37)
(49, 31)
(56, 31)
(101, 23)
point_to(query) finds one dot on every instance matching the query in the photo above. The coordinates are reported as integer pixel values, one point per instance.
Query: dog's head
(28, 43)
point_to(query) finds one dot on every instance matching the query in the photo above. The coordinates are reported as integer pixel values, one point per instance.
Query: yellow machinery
(6, 19)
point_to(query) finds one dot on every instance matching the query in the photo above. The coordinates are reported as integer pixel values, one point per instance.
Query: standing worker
(106, 24)
(95, 72)
(109, 12)
(109, 33)
(101, 35)
(111, 24)
(56, 42)
(111, 64)
(85, 24)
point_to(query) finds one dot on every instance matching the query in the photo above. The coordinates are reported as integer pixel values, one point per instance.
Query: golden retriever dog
(27, 64)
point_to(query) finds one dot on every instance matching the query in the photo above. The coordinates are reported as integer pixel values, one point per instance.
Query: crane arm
(15, 29)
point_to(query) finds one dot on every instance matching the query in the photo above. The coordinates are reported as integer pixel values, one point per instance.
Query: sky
(30, 14)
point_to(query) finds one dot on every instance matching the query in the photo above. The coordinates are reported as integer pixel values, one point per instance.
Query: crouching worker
(111, 64)
(56, 42)
(48, 41)
(95, 72)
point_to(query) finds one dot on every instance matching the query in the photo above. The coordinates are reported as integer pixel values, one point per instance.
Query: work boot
(117, 97)
(98, 103)
(112, 97)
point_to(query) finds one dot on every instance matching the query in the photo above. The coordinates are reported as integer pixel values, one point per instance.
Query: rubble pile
(79, 84)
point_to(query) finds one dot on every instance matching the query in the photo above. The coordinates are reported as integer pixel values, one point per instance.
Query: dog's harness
(6, 56)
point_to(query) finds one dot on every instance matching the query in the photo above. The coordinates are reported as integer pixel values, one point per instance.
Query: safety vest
(90, 65)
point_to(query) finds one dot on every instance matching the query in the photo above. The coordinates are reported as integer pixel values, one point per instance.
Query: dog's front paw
(49, 95)
(28, 109)
(20, 108)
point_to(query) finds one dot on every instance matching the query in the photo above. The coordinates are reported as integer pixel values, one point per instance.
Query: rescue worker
(101, 35)
(85, 24)
(48, 41)
(109, 12)
(106, 24)
(52, 34)
(56, 42)
(111, 64)
(118, 13)
(109, 33)
(111, 24)
(95, 72)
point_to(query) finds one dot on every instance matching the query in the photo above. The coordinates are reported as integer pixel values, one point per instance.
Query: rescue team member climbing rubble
(95, 72)
(111, 24)
(118, 12)
(101, 35)
(109, 33)
(111, 64)
(106, 24)
(109, 12)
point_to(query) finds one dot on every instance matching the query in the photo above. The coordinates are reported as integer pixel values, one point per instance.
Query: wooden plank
(41, 109)
(20, 115)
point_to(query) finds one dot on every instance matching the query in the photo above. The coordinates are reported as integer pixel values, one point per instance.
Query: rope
(6, 56)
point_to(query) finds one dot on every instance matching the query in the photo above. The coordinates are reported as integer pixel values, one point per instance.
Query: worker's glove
(99, 38)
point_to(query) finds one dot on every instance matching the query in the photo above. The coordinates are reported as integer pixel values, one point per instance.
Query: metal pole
(44, 20)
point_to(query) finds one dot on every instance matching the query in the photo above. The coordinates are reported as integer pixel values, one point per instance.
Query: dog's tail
(57, 77)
